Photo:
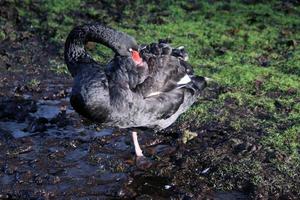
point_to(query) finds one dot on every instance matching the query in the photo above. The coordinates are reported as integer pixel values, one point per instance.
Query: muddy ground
(50, 152)
(47, 151)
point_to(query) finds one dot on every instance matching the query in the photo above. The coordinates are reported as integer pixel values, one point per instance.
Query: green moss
(2, 35)
(59, 6)
(286, 141)
(59, 68)
(102, 54)
(34, 83)
(245, 168)
(251, 50)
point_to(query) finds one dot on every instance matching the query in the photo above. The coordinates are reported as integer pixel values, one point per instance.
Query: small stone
(205, 170)
(167, 187)
(188, 135)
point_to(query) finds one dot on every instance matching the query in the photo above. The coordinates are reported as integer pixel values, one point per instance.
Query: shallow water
(15, 129)
(52, 154)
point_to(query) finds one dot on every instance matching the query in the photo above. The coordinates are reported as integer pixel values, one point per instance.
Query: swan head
(123, 46)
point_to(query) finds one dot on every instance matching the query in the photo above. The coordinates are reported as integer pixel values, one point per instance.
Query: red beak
(135, 55)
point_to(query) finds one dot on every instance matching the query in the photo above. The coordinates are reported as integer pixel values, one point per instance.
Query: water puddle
(15, 129)
(49, 109)
(53, 150)
(103, 132)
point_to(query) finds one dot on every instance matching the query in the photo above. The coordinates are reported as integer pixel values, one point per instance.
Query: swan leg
(137, 148)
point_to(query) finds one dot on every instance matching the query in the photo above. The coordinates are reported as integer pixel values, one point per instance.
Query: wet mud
(47, 151)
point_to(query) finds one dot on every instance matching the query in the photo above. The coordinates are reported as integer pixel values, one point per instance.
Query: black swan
(142, 86)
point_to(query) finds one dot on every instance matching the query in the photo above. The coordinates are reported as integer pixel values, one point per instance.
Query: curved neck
(75, 53)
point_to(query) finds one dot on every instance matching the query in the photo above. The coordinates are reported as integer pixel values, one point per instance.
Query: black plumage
(121, 93)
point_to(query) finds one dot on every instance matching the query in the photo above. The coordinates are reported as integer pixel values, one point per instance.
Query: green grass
(253, 50)
(59, 68)
(34, 83)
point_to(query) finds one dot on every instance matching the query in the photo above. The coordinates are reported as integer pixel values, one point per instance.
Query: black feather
(117, 94)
